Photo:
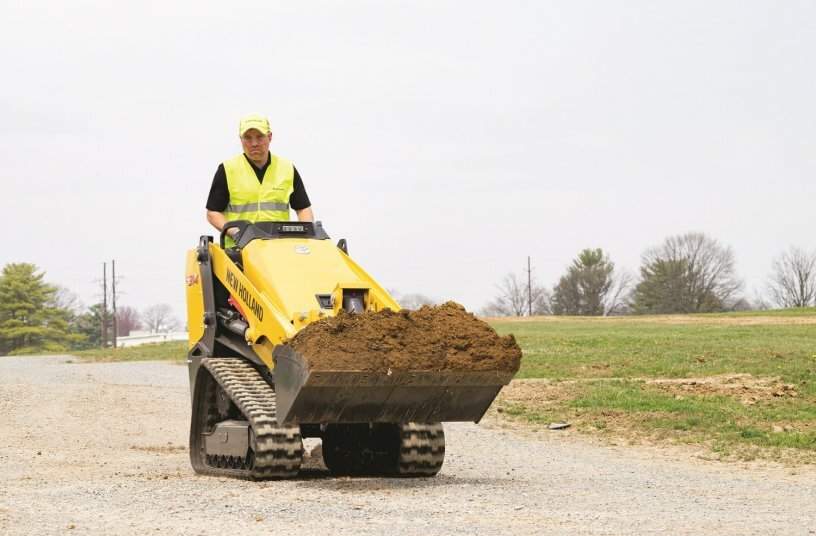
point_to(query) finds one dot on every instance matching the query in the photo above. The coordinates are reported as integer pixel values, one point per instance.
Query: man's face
(255, 144)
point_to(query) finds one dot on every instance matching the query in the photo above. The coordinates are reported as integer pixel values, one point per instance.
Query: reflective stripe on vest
(258, 201)
(252, 207)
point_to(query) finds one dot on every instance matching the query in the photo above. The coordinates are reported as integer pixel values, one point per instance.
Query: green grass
(159, 351)
(701, 418)
(588, 349)
(601, 369)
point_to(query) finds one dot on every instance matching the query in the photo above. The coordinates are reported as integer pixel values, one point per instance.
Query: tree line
(688, 273)
(38, 317)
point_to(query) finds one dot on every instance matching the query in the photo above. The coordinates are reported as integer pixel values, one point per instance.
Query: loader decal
(244, 295)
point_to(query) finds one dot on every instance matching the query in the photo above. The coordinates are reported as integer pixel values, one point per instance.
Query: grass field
(159, 351)
(741, 384)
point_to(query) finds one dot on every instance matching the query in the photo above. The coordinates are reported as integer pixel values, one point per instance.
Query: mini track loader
(255, 398)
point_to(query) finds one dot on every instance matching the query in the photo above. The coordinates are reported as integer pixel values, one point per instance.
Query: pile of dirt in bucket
(440, 338)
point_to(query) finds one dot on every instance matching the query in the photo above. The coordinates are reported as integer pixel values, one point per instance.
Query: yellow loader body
(243, 304)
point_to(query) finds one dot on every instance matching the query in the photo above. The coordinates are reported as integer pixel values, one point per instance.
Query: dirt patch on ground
(551, 400)
(439, 338)
(536, 393)
(534, 404)
(747, 388)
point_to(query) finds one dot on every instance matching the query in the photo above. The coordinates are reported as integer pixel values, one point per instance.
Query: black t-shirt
(219, 191)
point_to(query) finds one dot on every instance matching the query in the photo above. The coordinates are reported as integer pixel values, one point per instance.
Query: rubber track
(278, 449)
(422, 449)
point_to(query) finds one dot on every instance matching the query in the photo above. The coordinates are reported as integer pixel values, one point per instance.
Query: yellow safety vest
(258, 201)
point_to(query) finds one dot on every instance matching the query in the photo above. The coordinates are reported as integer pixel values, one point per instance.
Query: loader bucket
(356, 396)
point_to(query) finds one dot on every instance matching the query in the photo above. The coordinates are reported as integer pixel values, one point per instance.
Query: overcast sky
(446, 141)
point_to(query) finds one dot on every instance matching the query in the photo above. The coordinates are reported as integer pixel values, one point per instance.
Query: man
(256, 185)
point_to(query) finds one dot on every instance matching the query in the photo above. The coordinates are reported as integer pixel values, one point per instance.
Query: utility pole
(104, 304)
(113, 289)
(529, 288)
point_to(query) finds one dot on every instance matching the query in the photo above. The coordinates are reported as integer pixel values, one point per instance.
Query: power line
(113, 285)
(104, 304)
(529, 288)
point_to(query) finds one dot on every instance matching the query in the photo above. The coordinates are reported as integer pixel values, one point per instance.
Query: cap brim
(260, 129)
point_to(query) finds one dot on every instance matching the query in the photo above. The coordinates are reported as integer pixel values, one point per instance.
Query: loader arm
(268, 324)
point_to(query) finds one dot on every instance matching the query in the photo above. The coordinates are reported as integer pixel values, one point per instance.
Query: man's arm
(299, 200)
(305, 214)
(218, 220)
(218, 200)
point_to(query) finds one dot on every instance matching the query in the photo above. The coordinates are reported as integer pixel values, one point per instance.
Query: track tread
(278, 449)
(422, 449)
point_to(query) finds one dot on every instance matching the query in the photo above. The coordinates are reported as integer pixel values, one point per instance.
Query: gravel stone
(113, 442)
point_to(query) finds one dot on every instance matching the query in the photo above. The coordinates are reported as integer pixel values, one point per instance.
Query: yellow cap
(258, 122)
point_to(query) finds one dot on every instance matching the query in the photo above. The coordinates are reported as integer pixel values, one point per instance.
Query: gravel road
(102, 449)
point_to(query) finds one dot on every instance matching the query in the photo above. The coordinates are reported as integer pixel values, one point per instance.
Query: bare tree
(541, 301)
(793, 279)
(616, 301)
(127, 319)
(66, 299)
(514, 300)
(688, 273)
(760, 301)
(413, 300)
(591, 287)
(157, 318)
